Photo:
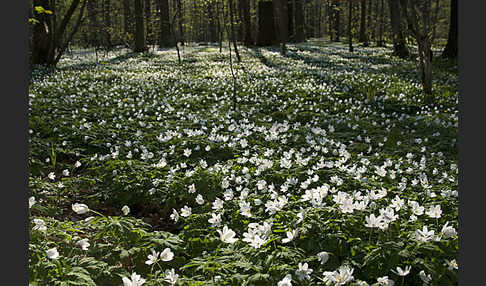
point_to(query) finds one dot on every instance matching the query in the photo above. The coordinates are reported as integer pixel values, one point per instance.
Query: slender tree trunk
(363, 35)
(180, 20)
(213, 34)
(350, 22)
(148, 21)
(246, 19)
(93, 23)
(233, 38)
(290, 21)
(299, 21)
(266, 26)
(319, 19)
(164, 29)
(368, 24)
(139, 28)
(336, 20)
(450, 50)
(381, 23)
(420, 23)
(330, 19)
(127, 19)
(399, 46)
(283, 26)
(220, 29)
(107, 20)
(42, 38)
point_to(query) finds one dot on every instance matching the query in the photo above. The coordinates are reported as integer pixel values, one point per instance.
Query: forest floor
(321, 167)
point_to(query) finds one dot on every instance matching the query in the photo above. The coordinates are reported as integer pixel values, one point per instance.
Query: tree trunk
(164, 32)
(139, 28)
(420, 23)
(299, 21)
(42, 35)
(290, 21)
(148, 22)
(266, 27)
(282, 23)
(127, 19)
(336, 20)
(399, 46)
(350, 22)
(450, 50)
(363, 36)
(107, 22)
(180, 20)
(220, 29)
(93, 24)
(213, 34)
(247, 38)
(48, 44)
(381, 23)
(425, 65)
(368, 24)
(233, 38)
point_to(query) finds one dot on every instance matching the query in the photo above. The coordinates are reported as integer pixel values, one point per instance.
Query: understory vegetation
(320, 167)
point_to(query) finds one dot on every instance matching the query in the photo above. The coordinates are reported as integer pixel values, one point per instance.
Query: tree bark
(180, 20)
(350, 22)
(148, 21)
(47, 37)
(282, 23)
(164, 31)
(336, 20)
(139, 28)
(127, 19)
(42, 35)
(290, 21)
(93, 24)
(381, 23)
(363, 35)
(299, 21)
(233, 38)
(266, 28)
(247, 38)
(107, 22)
(419, 21)
(450, 50)
(400, 48)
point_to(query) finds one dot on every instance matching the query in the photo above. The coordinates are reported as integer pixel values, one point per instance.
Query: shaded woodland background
(58, 26)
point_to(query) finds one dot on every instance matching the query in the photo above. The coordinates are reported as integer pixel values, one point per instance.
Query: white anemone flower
(125, 210)
(286, 281)
(171, 277)
(186, 211)
(323, 257)
(52, 253)
(303, 272)
(166, 255)
(40, 225)
(152, 258)
(31, 201)
(402, 272)
(426, 278)
(80, 208)
(290, 236)
(134, 280)
(384, 281)
(227, 235)
(83, 244)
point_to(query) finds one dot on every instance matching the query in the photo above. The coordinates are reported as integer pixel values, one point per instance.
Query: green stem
(100, 214)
